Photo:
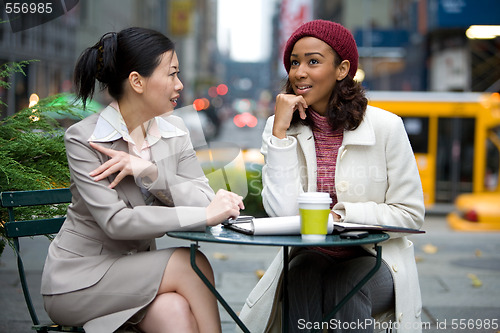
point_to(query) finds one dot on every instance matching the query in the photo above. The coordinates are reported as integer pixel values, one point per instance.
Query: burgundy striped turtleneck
(327, 142)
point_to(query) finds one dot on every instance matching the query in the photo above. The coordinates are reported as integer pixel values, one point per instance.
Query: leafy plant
(10, 68)
(32, 152)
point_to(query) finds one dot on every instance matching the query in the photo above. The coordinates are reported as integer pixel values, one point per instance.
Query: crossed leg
(183, 303)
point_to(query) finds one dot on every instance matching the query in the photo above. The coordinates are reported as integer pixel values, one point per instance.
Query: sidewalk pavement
(459, 277)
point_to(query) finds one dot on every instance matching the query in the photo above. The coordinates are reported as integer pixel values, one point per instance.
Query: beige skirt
(119, 298)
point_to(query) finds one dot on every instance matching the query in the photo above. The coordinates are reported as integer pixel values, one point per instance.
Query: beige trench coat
(104, 224)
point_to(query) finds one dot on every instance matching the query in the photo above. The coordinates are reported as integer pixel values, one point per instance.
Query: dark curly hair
(347, 104)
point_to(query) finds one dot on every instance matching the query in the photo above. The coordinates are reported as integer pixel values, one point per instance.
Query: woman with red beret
(325, 138)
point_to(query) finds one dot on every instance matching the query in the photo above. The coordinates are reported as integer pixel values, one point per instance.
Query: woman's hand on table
(225, 205)
(336, 217)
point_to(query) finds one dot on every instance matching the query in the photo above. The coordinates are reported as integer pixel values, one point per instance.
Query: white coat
(377, 182)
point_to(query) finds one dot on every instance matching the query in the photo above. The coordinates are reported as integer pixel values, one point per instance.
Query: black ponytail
(115, 56)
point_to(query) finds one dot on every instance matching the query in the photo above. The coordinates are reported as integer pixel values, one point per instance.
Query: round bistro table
(224, 235)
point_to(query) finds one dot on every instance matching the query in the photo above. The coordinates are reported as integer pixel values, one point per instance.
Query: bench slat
(57, 328)
(34, 227)
(35, 198)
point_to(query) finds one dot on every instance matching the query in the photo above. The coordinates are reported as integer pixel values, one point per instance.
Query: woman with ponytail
(134, 176)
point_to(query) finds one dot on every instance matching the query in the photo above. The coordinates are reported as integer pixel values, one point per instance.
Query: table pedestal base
(209, 285)
(284, 322)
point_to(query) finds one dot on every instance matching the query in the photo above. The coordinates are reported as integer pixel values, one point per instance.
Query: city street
(459, 274)
(435, 65)
(246, 137)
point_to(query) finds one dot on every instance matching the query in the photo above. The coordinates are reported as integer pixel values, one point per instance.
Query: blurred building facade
(53, 46)
(57, 44)
(192, 24)
(421, 45)
(417, 45)
(99, 17)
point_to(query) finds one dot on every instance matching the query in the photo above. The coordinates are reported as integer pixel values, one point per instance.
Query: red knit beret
(338, 37)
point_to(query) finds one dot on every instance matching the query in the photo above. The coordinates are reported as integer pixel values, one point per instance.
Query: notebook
(290, 225)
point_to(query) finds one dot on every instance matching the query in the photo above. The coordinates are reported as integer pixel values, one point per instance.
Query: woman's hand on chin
(286, 105)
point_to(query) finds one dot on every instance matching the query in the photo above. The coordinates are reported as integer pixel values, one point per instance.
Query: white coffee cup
(314, 210)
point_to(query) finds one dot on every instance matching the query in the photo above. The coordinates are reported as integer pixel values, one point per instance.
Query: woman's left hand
(336, 217)
(121, 162)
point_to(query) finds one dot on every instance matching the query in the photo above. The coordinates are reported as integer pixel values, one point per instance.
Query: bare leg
(169, 312)
(180, 278)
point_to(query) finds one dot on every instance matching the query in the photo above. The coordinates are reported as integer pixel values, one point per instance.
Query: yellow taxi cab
(476, 212)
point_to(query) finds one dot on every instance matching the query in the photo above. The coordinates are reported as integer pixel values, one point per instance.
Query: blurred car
(201, 128)
(476, 212)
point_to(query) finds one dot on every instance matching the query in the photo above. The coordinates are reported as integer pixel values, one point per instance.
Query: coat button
(400, 316)
(342, 186)
(395, 268)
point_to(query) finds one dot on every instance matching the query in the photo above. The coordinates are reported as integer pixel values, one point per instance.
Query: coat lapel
(305, 141)
(364, 135)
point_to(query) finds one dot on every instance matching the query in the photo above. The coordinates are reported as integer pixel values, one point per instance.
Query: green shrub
(33, 156)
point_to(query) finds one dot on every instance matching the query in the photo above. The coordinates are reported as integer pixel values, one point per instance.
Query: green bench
(28, 228)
